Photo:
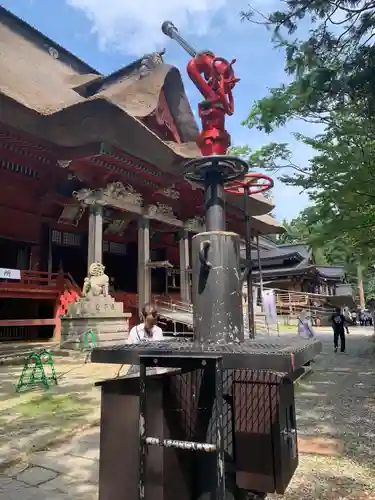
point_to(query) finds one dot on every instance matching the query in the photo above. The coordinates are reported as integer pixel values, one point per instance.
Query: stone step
(11, 347)
(17, 357)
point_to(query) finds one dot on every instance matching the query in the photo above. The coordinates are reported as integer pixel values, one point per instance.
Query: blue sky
(108, 34)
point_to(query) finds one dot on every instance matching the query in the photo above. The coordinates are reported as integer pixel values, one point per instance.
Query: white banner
(10, 274)
(269, 306)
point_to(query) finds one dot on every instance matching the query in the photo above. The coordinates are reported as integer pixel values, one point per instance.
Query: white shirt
(137, 334)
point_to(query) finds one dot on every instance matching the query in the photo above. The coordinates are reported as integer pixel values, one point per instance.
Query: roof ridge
(5, 13)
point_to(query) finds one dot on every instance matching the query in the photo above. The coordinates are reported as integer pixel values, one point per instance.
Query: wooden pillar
(95, 243)
(144, 272)
(184, 267)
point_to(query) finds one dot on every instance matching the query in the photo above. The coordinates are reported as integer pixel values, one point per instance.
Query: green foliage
(340, 178)
(272, 158)
(308, 227)
(332, 73)
(334, 66)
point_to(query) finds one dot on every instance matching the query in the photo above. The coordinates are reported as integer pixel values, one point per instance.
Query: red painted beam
(42, 168)
(23, 137)
(98, 175)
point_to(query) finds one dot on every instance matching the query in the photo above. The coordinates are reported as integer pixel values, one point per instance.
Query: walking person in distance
(338, 324)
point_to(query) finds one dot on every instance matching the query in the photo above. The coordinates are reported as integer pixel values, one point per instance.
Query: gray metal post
(214, 202)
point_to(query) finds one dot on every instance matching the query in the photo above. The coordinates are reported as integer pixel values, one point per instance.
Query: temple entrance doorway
(14, 254)
(120, 261)
(159, 275)
(69, 254)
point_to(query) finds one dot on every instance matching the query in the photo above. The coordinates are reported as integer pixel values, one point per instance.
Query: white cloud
(134, 26)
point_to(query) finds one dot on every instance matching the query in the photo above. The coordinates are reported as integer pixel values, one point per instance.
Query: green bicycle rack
(34, 373)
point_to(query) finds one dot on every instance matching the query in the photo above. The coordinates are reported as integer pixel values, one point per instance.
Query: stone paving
(30, 420)
(67, 472)
(336, 412)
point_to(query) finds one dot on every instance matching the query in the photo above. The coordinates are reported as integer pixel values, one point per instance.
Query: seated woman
(147, 331)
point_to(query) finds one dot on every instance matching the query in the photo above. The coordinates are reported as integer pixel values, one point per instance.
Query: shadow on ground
(30, 419)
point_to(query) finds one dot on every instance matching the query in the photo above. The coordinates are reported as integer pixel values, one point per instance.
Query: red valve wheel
(253, 183)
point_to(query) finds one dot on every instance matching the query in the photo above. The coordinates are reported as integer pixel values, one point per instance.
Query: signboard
(10, 274)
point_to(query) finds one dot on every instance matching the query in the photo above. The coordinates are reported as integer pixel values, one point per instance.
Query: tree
(308, 228)
(339, 178)
(334, 66)
(332, 72)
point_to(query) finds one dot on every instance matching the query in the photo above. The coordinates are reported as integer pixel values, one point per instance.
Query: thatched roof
(266, 224)
(53, 95)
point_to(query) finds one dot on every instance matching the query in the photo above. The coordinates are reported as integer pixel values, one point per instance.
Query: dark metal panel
(193, 413)
(119, 440)
(217, 312)
(255, 416)
(264, 420)
(255, 413)
(285, 438)
(181, 419)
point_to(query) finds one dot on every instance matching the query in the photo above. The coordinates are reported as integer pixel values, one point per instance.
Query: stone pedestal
(102, 314)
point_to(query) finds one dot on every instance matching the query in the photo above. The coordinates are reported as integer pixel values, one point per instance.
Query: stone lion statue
(97, 281)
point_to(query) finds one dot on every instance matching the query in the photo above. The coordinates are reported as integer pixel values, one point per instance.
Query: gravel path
(336, 403)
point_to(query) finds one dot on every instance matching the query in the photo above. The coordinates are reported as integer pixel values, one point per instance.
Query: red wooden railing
(23, 329)
(59, 287)
(37, 282)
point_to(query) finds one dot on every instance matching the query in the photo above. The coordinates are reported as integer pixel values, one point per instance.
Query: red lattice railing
(38, 281)
(58, 287)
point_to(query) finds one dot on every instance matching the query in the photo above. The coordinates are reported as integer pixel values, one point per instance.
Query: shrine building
(292, 267)
(91, 170)
(297, 279)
